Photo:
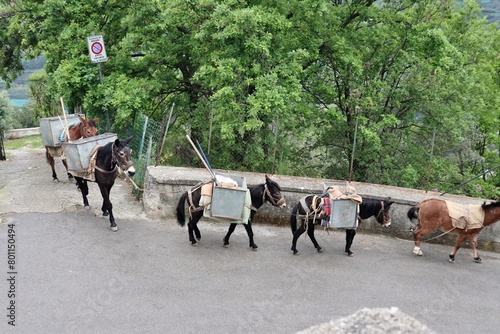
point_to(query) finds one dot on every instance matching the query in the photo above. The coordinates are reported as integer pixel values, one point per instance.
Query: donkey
(269, 191)
(369, 207)
(109, 158)
(433, 214)
(84, 129)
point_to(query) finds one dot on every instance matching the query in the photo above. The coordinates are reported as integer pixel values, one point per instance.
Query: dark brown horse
(368, 208)
(109, 158)
(433, 214)
(266, 192)
(84, 129)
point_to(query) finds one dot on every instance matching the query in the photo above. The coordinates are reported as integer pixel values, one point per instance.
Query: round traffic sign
(96, 48)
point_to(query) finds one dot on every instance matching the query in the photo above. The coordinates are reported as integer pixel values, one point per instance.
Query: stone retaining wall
(164, 186)
(18, 133)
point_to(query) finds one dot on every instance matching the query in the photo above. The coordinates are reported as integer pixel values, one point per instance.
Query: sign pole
(108, 126)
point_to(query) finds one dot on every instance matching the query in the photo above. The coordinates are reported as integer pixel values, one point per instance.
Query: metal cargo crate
(229, 202)
(78, 152)
(343, 214)
(52, 128)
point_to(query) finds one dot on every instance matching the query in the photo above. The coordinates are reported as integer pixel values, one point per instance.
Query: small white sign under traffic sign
(97, 51)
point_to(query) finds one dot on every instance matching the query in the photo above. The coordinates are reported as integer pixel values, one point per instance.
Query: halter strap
(114, 161)
(382, 211)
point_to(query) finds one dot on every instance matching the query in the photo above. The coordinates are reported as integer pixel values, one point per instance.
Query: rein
(438, 236)
(114, 161)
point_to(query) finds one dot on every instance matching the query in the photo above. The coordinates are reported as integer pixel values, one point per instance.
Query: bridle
(383, 213)
(116, 162)
(267, 196)
(270, 197)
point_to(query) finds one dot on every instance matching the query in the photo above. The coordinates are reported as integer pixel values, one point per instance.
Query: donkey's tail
(413, 213)
(180, 211)
(293, 218)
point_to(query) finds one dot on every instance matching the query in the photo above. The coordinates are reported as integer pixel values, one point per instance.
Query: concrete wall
(18, 133)
(164, 186)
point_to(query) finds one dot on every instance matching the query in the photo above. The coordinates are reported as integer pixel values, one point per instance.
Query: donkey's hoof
(320, 250)
(194, 244)
(254, 248)
(296, 252)
(225, 245)
(477, 259)
(87, 207)
(451, 259)
(114, 228)
(56, 180)
(350, 254)
(417, 251)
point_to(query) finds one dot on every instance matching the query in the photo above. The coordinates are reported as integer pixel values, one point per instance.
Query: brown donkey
(433, 214)
(85, 128)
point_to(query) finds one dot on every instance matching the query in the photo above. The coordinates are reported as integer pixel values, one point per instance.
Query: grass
(30, 142)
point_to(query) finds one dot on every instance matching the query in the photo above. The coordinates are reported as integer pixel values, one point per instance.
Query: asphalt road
(73, 275)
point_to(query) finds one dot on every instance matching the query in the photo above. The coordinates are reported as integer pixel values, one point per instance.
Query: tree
(317, 88)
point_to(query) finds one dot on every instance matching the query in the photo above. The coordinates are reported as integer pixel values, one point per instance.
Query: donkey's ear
(129, 139)
(117, 142)
(95, 119)
(83, 120)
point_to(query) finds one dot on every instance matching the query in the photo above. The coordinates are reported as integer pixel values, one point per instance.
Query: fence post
(2, 150)
(163, 135)
(144, 128)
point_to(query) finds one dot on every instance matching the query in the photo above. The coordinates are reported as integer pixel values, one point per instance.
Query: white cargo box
(78, 152)
(343, 213)
(229, 202)
(52, 128)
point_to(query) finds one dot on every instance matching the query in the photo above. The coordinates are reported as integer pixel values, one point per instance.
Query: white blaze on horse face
(281, 203)
(131, 170)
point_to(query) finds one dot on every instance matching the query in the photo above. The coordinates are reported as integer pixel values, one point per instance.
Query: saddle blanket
(343, 192)
(465, 216)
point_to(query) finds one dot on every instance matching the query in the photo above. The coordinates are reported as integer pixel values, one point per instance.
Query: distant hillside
(19, 88)
(491, 8)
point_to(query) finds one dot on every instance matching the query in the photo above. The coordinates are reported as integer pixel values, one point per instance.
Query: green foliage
(313, 87)
(7, 121)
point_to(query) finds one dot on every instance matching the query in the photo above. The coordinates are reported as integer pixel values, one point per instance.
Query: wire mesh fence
(146, 147)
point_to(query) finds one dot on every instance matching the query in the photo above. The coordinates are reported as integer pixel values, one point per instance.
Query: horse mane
(274, 184)
(490, 205)
(92, 123)
(104, 152)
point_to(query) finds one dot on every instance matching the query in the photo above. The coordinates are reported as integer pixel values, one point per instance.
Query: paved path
(73, 275)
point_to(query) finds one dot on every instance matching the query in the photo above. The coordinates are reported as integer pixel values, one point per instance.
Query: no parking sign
(96, 49)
